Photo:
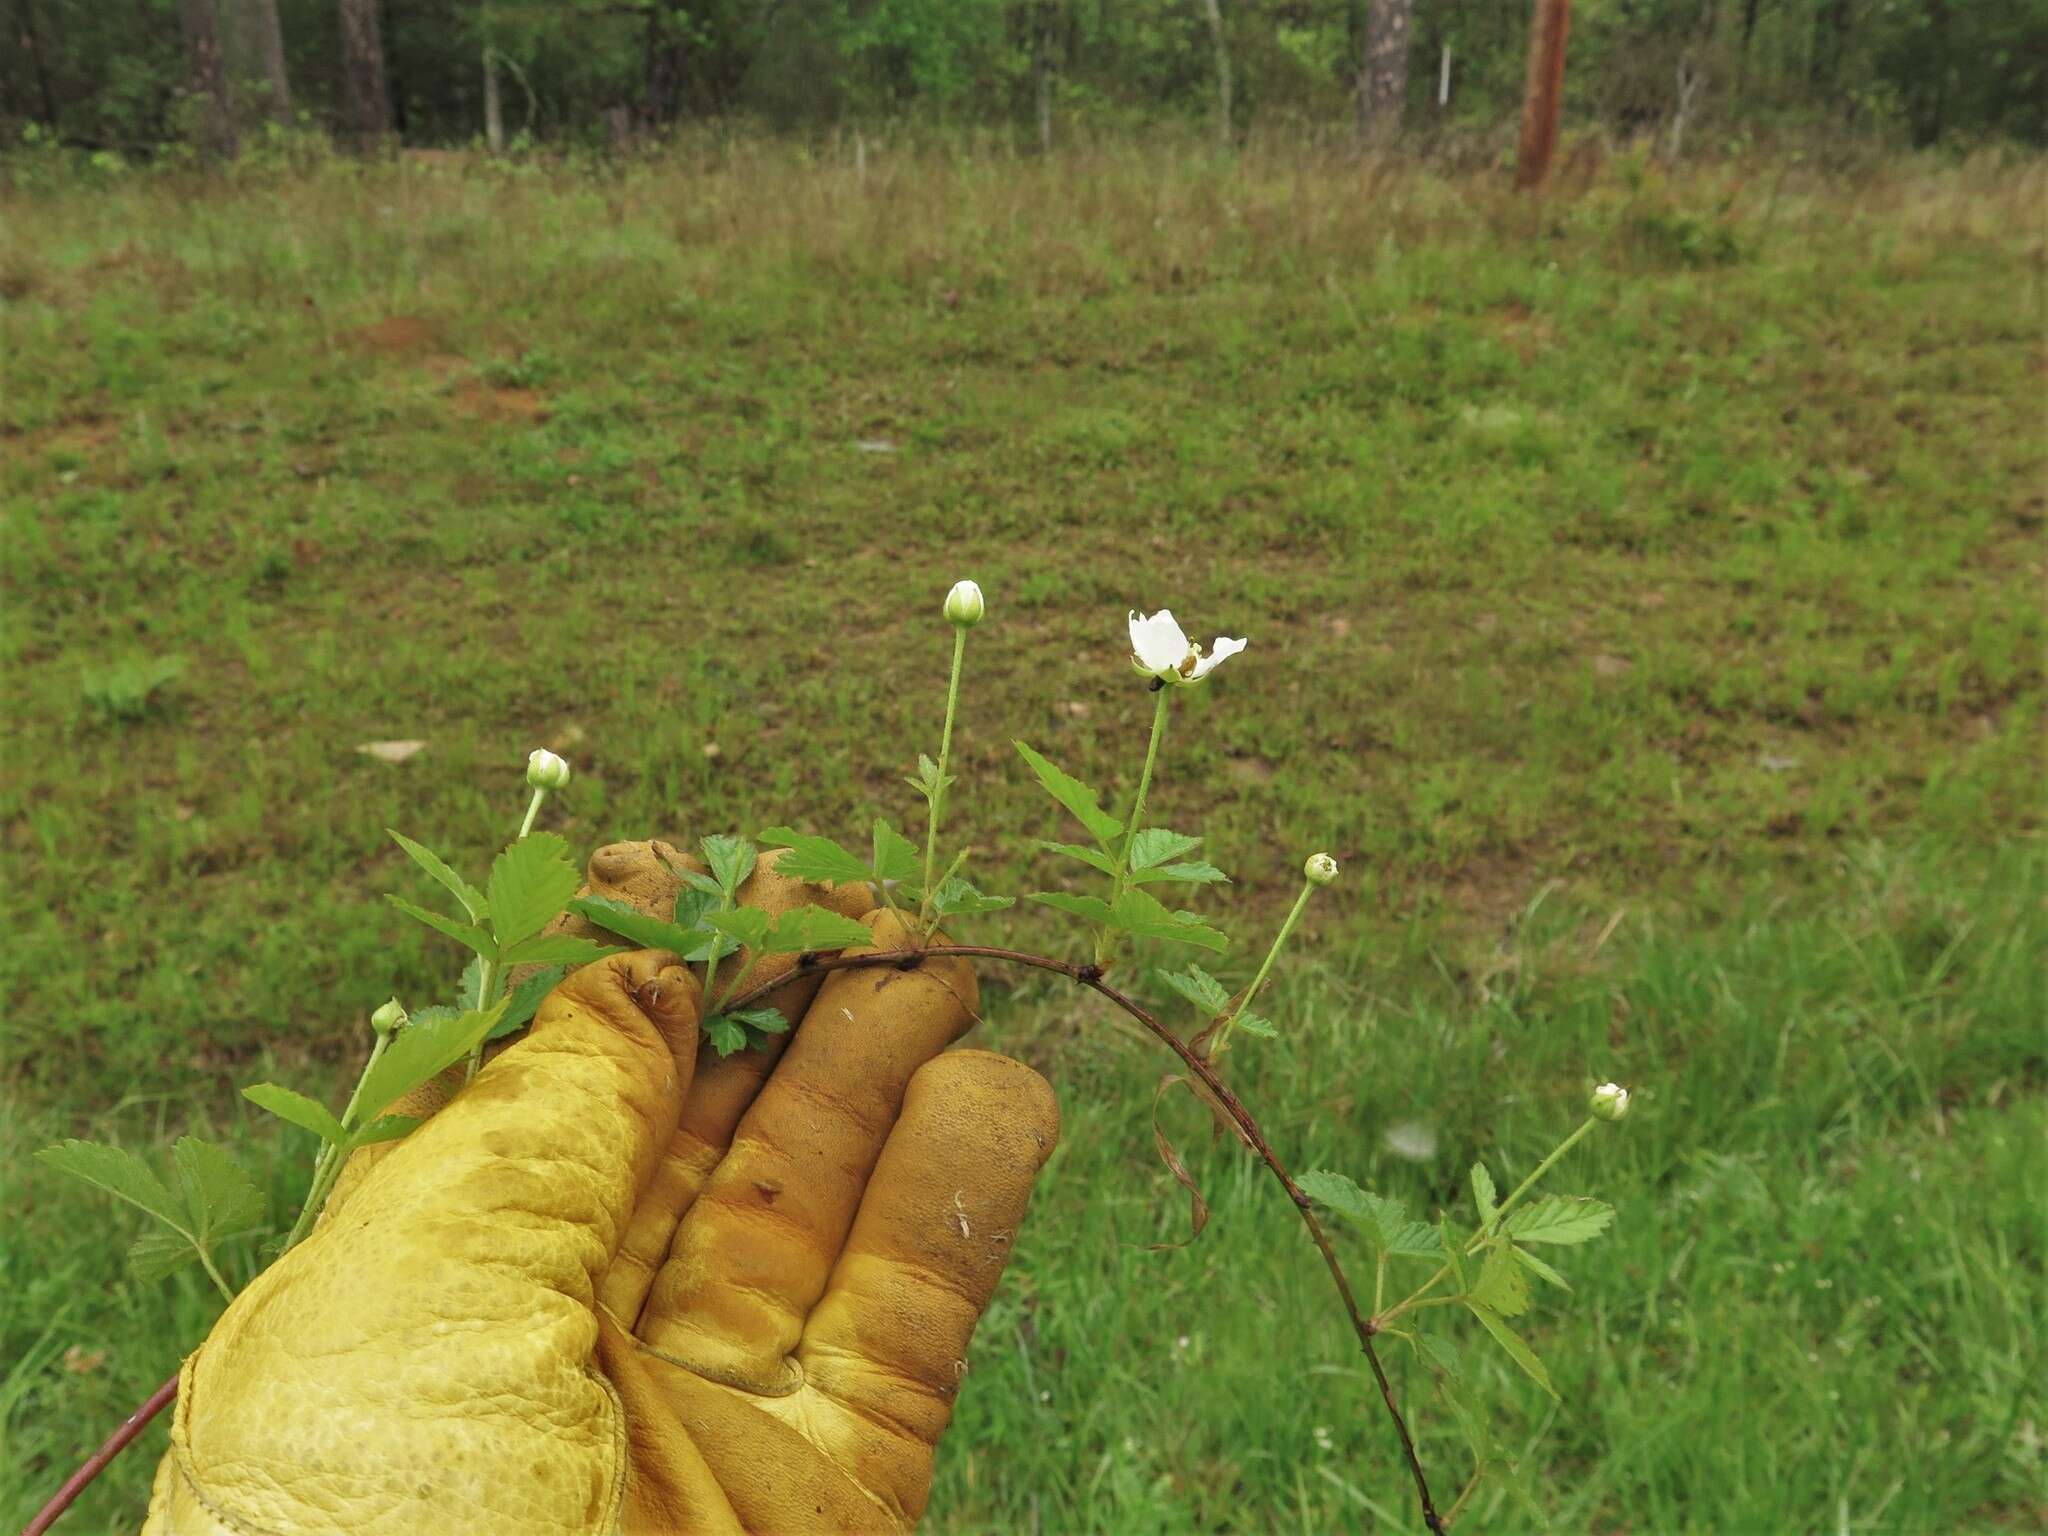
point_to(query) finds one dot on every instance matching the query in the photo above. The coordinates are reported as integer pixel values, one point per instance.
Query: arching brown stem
(1090, 976)
(117, 1442)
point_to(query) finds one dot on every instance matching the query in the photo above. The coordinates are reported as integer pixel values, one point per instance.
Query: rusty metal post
(1545, 92)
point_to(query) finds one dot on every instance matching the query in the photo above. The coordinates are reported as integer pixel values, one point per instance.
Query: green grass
(1644, 600)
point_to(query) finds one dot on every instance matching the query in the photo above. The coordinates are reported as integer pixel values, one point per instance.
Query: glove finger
(724, 1087)
(751, 1256)
(887, 1344)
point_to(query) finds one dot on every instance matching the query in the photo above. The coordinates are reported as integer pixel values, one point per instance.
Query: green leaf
(804, 929)
(1538, 1268)
(469, 992)
(307, 1114)
(1077, 797)
(530, 882)
(384, 1128)
(725, 1034)
(121, 1174)
(1139, 914)
(1471, 1422)
(762, 1018)
(218, 1191)
(1199, 988)
(1439, 1354)
(1483, 1195)
(692, 902)
(747, 926)
(1519, 1352)
(1156, 845)
(635, 926)
(1559, 1219)
(1342, 1194)
(1415, 1240)
(1515, 1479)
(525, 1001)
(557, 949)
(431, 1015)
(816, 859)
(1501, 1285)
(926, 780)
(700, 882)
(1093, 858)
(956, 898)
(1197, 873)
(471, 898)
(423, 1050)
(1384, 1219)
(159, 1252)
(895, 856)
(1256, 1024)
(1093, 908)
(470, 934)
(1453, 1256)
(731, 860)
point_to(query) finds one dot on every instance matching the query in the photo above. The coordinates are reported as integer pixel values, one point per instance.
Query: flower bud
(1610, 1101)
(544, 770)
(1321, 869)
(388, 1018)
(964, 606)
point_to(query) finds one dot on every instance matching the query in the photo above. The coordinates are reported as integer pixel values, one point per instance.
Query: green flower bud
(1321, 869)
(544, 770)
(1610, 1101)
(388, 1018)
(964, 606)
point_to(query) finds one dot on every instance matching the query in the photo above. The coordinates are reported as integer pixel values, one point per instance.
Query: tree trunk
(253, 43)
(1041, 63)
(662, 67)
(1749, 10)
(1830, 38)
(206, 79)
(270, 49)
(1544, 92)
(1383, 69)
(1213, 13)
(1690, 81)
(494, 108)
(362, 71)
(32, 44)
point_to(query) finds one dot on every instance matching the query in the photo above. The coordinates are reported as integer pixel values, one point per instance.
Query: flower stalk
(938, 795)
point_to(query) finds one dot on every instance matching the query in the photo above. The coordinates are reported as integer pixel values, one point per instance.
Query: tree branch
(1090, 976)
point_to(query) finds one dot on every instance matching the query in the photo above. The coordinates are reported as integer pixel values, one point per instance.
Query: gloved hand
(619, 1286)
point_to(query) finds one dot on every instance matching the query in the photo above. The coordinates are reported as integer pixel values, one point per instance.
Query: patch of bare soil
(398, 336)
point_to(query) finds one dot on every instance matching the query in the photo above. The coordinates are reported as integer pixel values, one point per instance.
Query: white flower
(544, 770)
(387, 1018)
(1160, 649)
(1320, 868)
(1610, 1101)
(964, 606)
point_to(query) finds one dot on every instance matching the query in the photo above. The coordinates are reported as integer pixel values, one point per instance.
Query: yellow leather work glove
(619, 1286)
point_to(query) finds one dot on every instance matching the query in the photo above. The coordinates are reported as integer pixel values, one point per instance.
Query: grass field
(1644, 594)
